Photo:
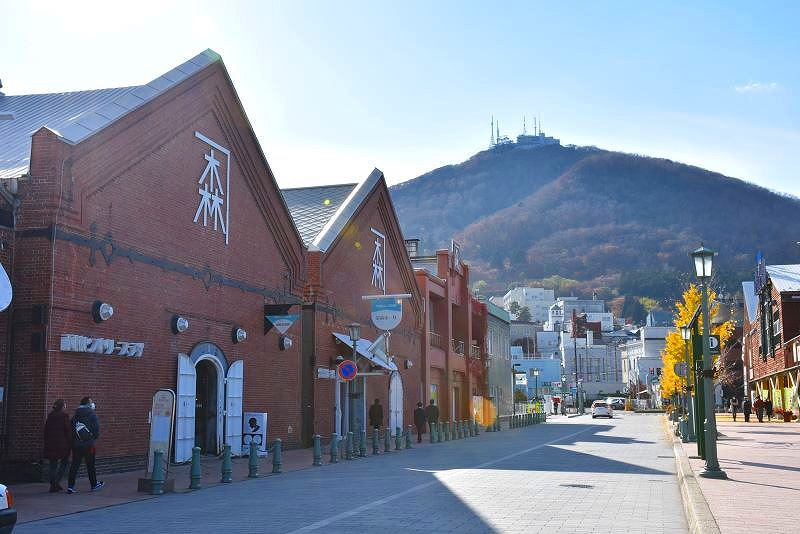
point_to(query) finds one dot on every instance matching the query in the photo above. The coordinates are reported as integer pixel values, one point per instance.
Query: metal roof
(75, 116)
(785, 278)
(312, 207)
(750, 301)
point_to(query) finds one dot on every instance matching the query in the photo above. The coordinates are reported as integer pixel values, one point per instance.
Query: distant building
(537, 299)
(498, 357)
(560, 313)
(524, 141)
(642, 359)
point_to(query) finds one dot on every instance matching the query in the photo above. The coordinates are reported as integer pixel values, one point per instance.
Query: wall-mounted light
(101, 311)
(179, 324)
(284, 343)
(408, 364)
(337, 360)
(238, 334)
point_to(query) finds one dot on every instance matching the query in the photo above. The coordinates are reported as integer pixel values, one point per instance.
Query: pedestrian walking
(57, 443)
(85, 431)
(759, 406)
(419, 421)
(768, 409)
(734, 407)
(376, 414)
(432, 414)
(747, 407)
(556, 400)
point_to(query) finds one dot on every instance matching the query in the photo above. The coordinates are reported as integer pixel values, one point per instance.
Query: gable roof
(785, 278)
(750, 301)
(75, 116)
(312, 207)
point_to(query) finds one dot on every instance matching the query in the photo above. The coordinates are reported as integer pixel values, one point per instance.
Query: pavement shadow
(770, 466)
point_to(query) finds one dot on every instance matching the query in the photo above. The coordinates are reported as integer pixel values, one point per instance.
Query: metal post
(362, 445)
(711, 469)
(317, 450)
(689, 434)
(252, 460)
(375, 441)
(398, 438)
(196, 474)
(227, 466)
(387, 441)
(157, 478)
(477, 427)
(408, 437)
(438, 432)
(432, 431)
(349, 447)
(334, 448)
(277, 465)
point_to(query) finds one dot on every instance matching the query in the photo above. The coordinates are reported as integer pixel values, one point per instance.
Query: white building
(560, 313)
(537, 299)
(641, 355)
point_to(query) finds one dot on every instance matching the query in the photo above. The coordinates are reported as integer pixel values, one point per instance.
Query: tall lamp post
(703, 261)
(536, 387)
(355, 335)
(688, 431)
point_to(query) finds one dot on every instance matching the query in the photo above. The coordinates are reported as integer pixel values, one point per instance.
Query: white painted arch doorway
(395, 401)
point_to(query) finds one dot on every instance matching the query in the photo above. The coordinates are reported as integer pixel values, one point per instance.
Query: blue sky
(334, 89)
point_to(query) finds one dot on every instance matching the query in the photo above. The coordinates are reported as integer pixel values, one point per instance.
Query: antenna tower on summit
(491, 142)
(524, 129)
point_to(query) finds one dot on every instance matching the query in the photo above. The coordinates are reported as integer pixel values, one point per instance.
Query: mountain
(615, 222)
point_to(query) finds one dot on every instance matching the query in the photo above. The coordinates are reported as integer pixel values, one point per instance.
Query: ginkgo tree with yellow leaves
(674, 349)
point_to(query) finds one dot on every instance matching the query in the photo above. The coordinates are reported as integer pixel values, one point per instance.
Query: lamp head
(686, 333)
(703, 261)
(355, 331)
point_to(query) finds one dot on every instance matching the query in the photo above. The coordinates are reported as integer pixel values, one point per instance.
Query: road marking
(390, 498)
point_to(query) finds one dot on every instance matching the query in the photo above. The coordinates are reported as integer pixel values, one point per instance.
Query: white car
(8, 514)
(602, 409)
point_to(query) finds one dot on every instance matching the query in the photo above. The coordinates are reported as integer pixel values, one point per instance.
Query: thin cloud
(757, 87)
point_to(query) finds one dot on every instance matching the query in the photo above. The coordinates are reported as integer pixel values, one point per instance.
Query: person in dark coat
(768, 409)
(57, 443)
(419, 421)
(759, 406)
(734, 407)
(432, 414)
(376, 414)
(747, 407)
(84, 449)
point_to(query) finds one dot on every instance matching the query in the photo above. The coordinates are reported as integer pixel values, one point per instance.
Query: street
(568, 475)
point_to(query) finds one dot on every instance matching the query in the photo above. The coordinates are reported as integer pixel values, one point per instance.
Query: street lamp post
(703, 261)
(563, 393)
(688, 431)
(536, 387)
(355, 335)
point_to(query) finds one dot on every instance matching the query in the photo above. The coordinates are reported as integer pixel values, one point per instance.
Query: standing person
(734, 407)
(57, 443)
(376, 415)
(747, 407)
(86, 431)
(419, 421)
(759, 406)
(768, 408)
(432, 414)
(555, 405)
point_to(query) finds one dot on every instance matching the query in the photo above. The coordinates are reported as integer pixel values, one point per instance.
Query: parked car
(617, 403)
(602, 409)
(8, 514)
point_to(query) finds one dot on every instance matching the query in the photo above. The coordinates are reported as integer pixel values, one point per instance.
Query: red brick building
(454, 335)
(158, 201)
(355, 248)
(771, 335)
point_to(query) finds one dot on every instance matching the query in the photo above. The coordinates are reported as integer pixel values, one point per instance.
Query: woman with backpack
(57, 443)
(86, 430)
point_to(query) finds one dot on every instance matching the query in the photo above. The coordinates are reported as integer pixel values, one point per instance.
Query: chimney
(412, 247)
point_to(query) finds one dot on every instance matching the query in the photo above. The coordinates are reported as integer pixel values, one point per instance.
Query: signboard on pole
(386, 313)
(162, 415)
(347, 370)
(282, 323)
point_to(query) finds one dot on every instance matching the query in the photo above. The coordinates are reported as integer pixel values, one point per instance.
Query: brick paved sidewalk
(33, 501)
(762, 461)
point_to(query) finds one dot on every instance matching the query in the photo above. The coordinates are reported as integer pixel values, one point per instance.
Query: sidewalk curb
(695, 506)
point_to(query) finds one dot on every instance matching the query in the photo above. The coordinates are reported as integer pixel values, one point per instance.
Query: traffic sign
(713, 345)
(347, 370)
(680, 369)
(626, 390)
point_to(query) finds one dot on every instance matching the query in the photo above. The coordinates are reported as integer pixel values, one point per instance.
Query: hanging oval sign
(347, 370)
(387, 313)
(5, 289)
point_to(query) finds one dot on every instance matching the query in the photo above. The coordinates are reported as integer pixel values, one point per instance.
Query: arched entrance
(207, 406)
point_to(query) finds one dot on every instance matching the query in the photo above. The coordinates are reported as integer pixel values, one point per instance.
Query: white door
(184, 416)
(395, 401)
(233, 406)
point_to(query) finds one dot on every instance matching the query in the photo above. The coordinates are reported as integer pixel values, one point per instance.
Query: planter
(787, 417)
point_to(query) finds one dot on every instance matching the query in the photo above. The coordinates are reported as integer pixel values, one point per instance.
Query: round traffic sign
(347, 370)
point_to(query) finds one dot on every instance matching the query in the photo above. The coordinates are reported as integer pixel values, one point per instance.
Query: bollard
(458, 430)
(227, 466)
(375, 441)
(471, 428)
(362, 445)
(408, 437)
(462, 430)
(317, 450)
(465, 428)
(438, 432)
(196, 474)
(348, 452)
(477, 428)
(252, 461)
(157, 478)
(497, 425)
(432, 431)
(387, 441)
(334, 448)
(398, 438)
(276, 457)
(490, 427)
(447, 430)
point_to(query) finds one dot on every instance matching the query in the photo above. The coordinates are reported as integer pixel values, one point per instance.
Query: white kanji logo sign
(379, 261)
(214, 187)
